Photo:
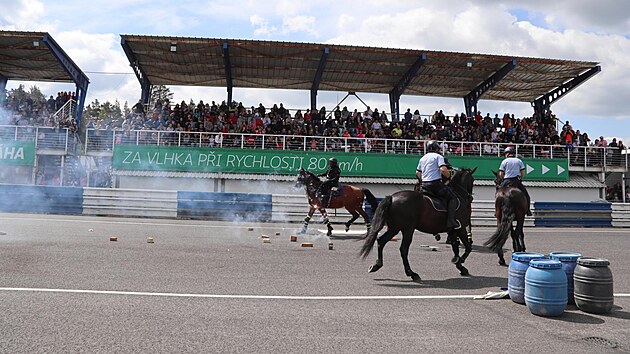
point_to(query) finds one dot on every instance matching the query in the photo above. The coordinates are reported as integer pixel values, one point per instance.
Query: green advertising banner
(288, 162)
(17, 153)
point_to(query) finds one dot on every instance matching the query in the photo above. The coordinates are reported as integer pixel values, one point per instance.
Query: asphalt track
(216, 287)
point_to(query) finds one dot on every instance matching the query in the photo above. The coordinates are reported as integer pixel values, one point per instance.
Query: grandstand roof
(25, 56)
(293, 65)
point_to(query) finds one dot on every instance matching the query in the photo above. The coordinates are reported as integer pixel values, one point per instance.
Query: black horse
(351, 199)
(407, 211)
(510, 205)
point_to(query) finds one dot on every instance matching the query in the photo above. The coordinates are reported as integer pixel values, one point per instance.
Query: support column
(543, 103)
(399, 89)
(228, 72)
(318, 77)
(80, 79)
(472, 98)
(145, 84)
(3, 88)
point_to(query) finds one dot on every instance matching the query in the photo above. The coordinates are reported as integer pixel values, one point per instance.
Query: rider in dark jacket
(332, 180)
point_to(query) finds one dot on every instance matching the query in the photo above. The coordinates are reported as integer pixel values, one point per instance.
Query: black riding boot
(528, 212)
(451, 222)
(325, 200)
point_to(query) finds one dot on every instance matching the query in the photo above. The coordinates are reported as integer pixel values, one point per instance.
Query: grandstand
(228, 124)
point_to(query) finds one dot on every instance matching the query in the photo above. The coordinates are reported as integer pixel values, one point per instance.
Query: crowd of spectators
(25, 111)
(342, 122)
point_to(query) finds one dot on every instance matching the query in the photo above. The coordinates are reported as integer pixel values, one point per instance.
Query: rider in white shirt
(512, 171)
(431, 168)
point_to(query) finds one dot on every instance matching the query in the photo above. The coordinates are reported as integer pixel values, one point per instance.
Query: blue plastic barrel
(546, 287)
(516, 274)
(569, 261)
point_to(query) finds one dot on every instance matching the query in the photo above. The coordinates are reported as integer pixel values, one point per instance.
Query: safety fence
(252, 207)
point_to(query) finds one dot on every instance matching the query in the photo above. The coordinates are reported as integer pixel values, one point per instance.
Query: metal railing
(101, 140)
(44, 137)
(66, 111)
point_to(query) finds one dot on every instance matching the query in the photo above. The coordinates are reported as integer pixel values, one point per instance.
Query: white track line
(228, 296)
(255, 297)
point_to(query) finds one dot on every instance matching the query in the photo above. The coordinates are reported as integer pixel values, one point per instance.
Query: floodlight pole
(405, 80)
(472, 98)
(318, 77)
(543, 103)
(80, 79)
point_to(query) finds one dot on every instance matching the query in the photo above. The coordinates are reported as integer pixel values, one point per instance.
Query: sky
(585, 30)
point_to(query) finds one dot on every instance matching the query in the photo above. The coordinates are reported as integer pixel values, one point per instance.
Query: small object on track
(306, 244)
(113, 238)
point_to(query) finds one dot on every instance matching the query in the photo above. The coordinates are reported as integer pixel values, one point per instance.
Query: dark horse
(351, 199)
(510, 205)
(407, 211)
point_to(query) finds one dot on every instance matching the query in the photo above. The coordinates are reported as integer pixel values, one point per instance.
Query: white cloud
(23, 15)
(299, 24)
(262, 26)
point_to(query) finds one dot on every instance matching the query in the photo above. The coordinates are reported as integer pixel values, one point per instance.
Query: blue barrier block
(230, 206)
(583, 222)
(41, 199)
(572, 206)
(368, 208)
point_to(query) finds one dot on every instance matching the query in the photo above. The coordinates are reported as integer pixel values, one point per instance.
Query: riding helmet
(509, 150)
(332, 161)
(433, 145)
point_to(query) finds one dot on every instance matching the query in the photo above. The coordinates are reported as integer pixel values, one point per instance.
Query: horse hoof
(464, 272)
(437, 237)
(347, 228)
(455, 259)
(502, 263)
(415, 277)
(373, 268)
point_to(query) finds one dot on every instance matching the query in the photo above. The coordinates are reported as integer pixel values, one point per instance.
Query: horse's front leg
(326, 221)
(454, 242)
(463, 236)
(307, 219)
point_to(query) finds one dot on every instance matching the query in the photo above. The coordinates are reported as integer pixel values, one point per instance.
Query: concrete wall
(284, 187)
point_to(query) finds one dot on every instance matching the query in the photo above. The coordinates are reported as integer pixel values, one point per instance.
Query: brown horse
(351, 199)
(407, 211)
(510, 205)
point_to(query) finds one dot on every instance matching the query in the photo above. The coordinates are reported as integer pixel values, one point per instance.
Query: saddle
(337, 191)
(438, 203)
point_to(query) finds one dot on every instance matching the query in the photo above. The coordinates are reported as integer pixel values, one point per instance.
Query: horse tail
(371, 199)
(378, 222)
(497, 240)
